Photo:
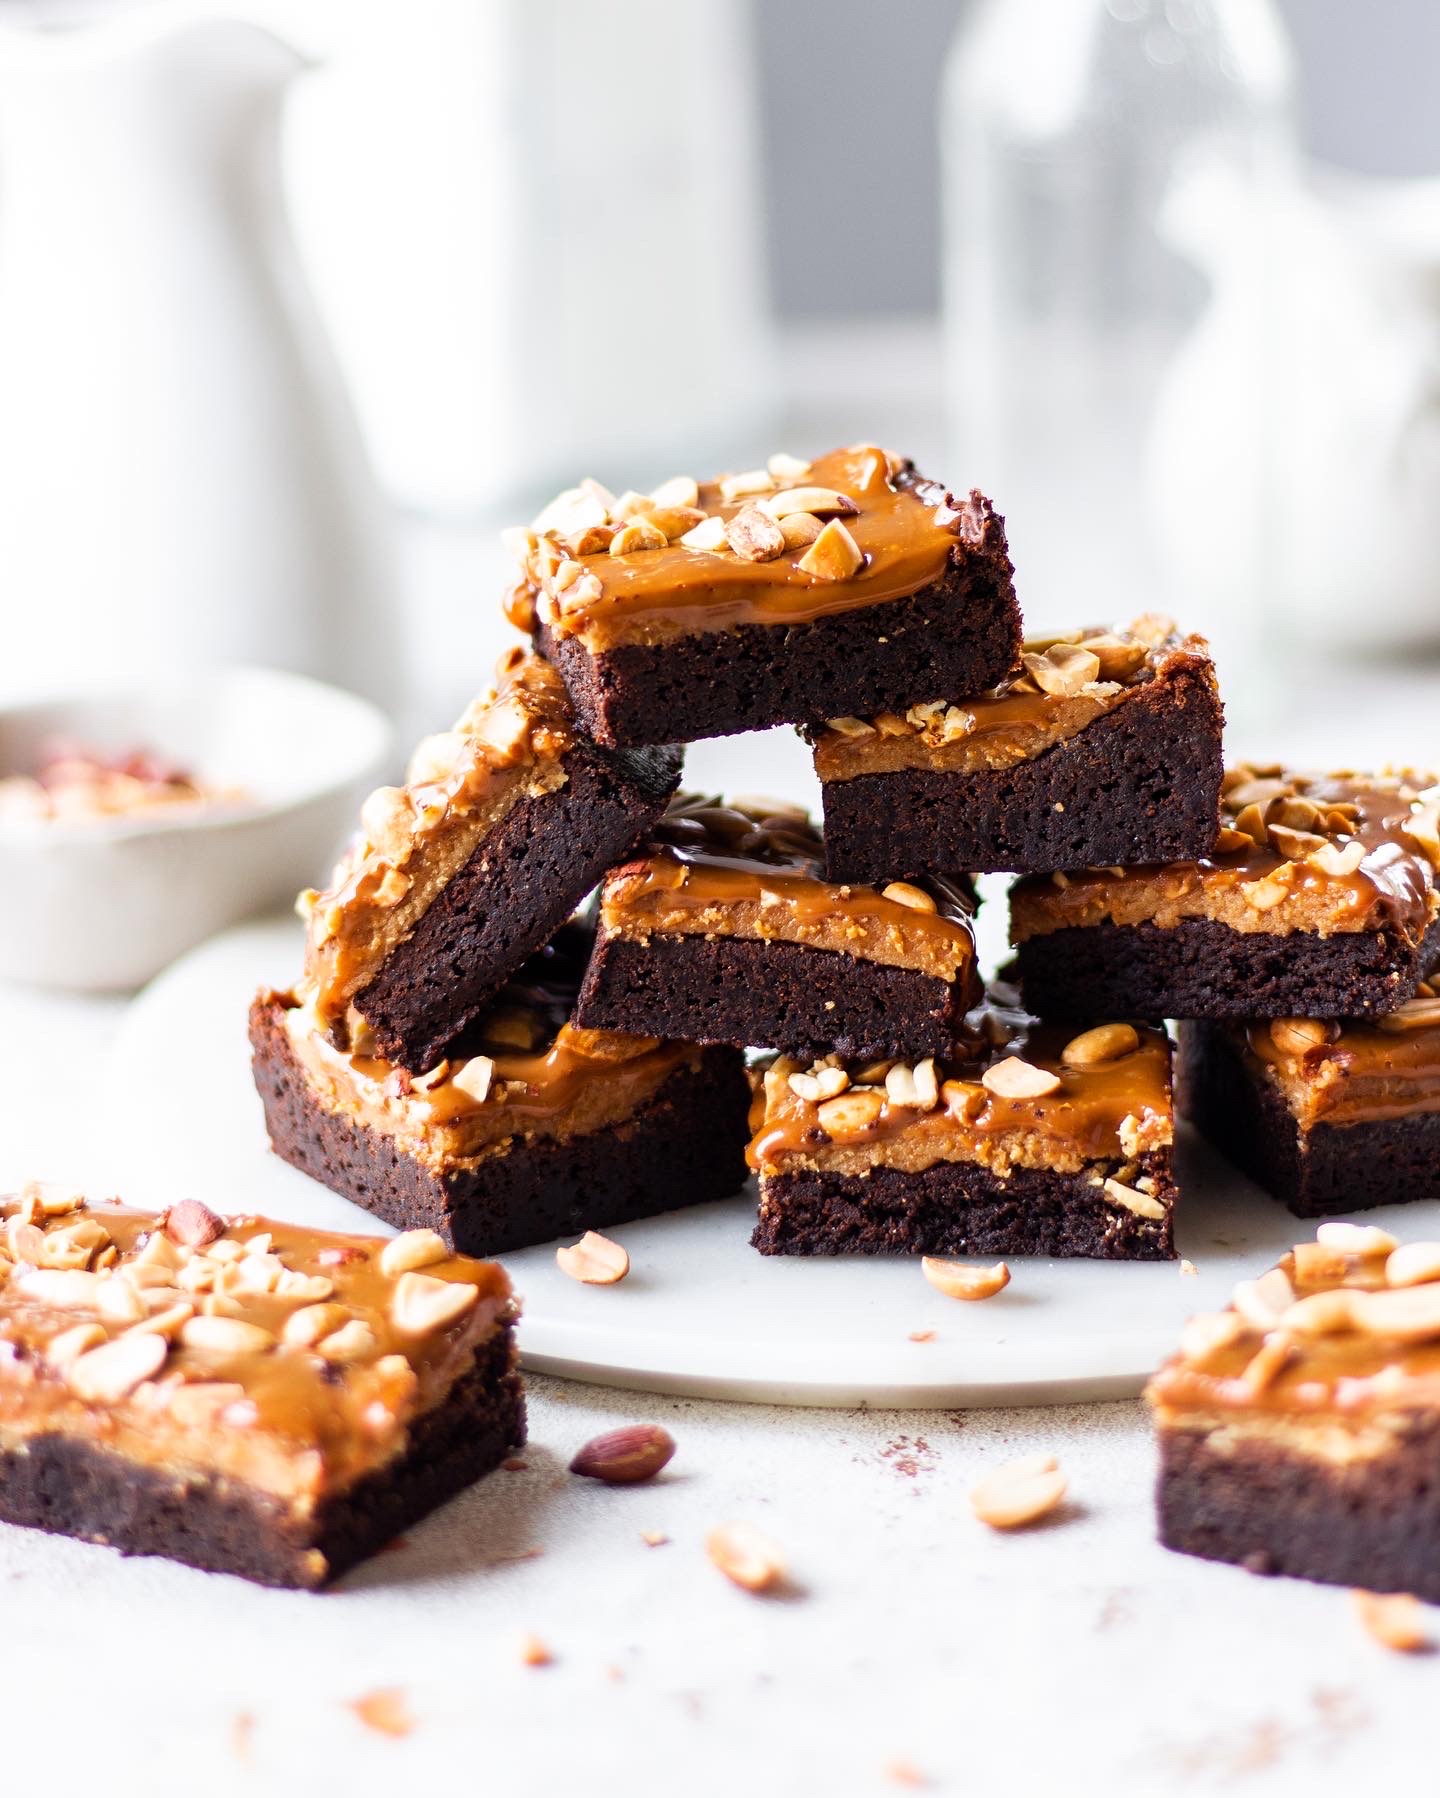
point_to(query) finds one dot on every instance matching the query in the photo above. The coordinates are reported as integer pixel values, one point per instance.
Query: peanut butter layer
(1064, 685)
(527, 1071)
(1331, 1353)
(752, 872)
(1024, 1095)
(1350, 1072)
(786, 544)
(1323, 853)
(509, 745)
(291, 1360)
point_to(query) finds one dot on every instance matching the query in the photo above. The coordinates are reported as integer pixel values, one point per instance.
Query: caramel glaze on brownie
(292, 1364)
(1300, 1429)
(756, 872)
(1063, 686)
(906, 531)
(509, 745)
(524, 1070)
(1327, 854)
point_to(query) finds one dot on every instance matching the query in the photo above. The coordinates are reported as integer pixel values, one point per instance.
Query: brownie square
(535, 1129)
(241, 1394)
(784, 595)
(503, 827)
(1328, 1116)
(1105, 747)
(1299, 1431)
(1319, 899)
(725, 930)
(1030, 1141)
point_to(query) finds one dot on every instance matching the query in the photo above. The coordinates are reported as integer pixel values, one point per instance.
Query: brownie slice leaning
(240, 1394)
(1319, 899)
(785, 595)
(1033, 1141)
(503, 826)
(1300, 1429)
(1328, 1116)
(532, 1129)
(724, 930)
(1105, 747)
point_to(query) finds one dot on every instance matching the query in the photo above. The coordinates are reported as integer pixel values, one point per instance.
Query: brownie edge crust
(958, 1208)
(1270, 1510)
(59, 1484)
(959, 636)
(684, 1147)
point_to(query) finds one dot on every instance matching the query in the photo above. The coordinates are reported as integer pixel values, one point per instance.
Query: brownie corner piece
(503, 827)
(1287, 1448)
(889, 586)
(1320, 898)
(975, 1155)
(1328, 1116)
(1014, 779)
(347, 1387)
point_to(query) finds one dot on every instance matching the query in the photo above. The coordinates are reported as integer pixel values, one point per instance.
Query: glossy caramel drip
(414, 839)
(1349, 1374)
(1265, 887)
(905, 528)
(1019, 718)
(705, 856)
(294, 1418)
(1115, 1111)
(1366, 1074)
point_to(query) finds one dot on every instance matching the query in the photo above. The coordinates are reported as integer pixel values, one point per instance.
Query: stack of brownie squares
(530, 986)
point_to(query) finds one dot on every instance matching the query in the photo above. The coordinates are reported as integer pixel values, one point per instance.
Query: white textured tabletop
(915, 1649)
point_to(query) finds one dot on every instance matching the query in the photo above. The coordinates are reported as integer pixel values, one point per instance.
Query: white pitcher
(1328, 445)
(181, 476)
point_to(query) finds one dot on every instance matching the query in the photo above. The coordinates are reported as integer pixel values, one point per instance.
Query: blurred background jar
(1083, 144)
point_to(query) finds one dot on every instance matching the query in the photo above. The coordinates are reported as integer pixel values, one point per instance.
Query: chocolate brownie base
(1200, 968)
(73, 1488)
(957, 636)
(1371, 1524)
(510, 898)
(1326, 1169)
(768, 995)
(683, 1148)
(957, 1208)
(1140, 784)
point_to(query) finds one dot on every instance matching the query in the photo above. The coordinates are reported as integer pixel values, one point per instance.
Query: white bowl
(102, 905)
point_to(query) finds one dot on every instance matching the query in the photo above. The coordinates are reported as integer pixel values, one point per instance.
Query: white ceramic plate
(700, 1312)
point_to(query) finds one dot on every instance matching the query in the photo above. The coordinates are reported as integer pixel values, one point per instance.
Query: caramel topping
(1010, 1098)
(747, 870)
(292, 1359)
(414, 839)
(1062, 687)
(1364, 1073)
(525, 1070)
(738, 553)
(1325, 853)
(1347, 1329)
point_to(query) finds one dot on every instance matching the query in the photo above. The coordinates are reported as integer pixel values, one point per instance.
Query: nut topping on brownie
(1009, 1098)
(508, 745)
(1330, 854)
(525, 1068)
(785, 544)
(287, 1359)
(1063, 685)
